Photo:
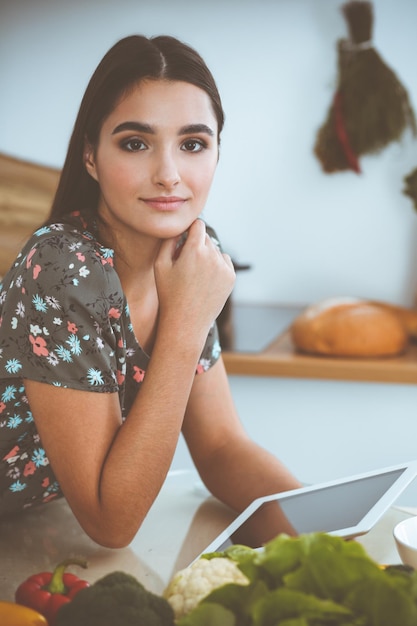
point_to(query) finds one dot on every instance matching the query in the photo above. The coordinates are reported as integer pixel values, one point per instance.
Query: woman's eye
(133, 145)
(193, 145)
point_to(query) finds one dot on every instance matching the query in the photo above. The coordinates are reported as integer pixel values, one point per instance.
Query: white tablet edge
(365, 524)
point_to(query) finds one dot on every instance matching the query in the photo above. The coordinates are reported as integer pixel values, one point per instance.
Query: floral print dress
(64, 320)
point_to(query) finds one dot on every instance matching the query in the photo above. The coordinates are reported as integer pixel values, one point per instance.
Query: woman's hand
(194, 280)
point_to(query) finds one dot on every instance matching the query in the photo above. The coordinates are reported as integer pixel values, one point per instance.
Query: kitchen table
(182, 522)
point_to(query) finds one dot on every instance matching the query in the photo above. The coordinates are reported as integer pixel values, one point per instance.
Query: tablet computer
(346, 507)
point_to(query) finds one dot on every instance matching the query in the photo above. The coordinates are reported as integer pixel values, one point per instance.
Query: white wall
(308, 235)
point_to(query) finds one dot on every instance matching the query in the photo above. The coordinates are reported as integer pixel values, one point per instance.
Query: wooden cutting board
(280, 358)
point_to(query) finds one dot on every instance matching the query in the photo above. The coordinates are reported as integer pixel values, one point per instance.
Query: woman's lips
(163, 203)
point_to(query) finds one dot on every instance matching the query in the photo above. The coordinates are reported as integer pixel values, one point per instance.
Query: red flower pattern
(72, 327)
(139, 374)
(38, 345)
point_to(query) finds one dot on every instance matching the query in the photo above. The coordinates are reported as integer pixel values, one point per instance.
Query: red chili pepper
(48, 591)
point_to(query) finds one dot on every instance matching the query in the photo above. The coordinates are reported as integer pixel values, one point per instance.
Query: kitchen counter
(261, 346)
(182, 522)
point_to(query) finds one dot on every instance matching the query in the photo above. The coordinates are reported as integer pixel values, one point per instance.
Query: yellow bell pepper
(17, 615)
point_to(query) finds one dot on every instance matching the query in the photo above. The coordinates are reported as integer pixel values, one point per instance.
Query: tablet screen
(338, 506)
(327, 509)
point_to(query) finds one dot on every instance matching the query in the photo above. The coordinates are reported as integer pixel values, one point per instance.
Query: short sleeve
(211, 351)
(61, 315)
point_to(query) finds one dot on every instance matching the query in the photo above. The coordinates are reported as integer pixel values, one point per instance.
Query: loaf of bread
(350, 327)
(408, 317)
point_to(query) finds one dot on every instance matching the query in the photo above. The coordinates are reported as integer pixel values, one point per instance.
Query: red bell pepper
(48, 591)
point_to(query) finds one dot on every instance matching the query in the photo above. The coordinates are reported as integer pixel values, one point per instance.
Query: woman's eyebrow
(138, 126)
(196, 128)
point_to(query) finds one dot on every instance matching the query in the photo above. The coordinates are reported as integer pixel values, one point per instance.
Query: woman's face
(155, 159)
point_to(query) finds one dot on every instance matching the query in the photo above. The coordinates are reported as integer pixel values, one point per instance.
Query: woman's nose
(166, 172)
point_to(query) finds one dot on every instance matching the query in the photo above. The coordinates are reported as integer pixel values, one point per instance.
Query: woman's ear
(89, 160)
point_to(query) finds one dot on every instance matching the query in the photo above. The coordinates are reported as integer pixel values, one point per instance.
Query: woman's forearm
(251, 472)
(142, 450)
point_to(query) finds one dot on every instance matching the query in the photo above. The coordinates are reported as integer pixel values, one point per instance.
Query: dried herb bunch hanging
(410, 186)
(370, 108)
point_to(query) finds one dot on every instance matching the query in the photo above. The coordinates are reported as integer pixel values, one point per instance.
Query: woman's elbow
(113, 540)
(114, 536)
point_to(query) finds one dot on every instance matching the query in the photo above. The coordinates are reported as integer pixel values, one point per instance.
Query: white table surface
(182, 522)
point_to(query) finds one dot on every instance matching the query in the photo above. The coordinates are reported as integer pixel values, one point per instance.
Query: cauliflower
(190, 585)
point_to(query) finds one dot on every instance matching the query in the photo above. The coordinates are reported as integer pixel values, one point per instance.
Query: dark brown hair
(129, 61)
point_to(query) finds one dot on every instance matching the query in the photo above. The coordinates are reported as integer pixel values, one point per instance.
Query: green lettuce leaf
(238, 598)
(328, 566)
(208, 615)
(384, 602)
(316, 580)
(283, 604)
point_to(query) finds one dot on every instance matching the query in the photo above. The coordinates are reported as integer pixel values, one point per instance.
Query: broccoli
(120, 599)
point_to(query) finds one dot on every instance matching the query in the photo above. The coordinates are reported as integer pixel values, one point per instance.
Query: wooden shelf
(280, 358)
(26, 193)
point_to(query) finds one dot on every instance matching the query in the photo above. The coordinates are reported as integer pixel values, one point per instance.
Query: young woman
(108, 341)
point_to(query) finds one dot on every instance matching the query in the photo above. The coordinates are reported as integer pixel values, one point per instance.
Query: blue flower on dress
(74, 344)
(14, 422)
(95, 377)
(39, 303)
(107, 253)
(9, 393)
(39, 458)
(64, 354)
(42, 231)
(13, 366)
(17, 486)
